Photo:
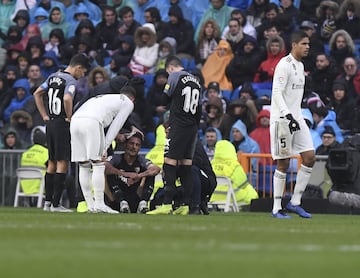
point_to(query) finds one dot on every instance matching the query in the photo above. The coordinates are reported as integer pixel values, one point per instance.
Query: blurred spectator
(323, 76)
(6, 93)
(23, 62)
(261, 134)
(22, 122)
(323, 117)
(209, 37)
(80, 14)
(105, 30)
(7, 8)
(271, 13)
(213, 90)
(217, 10)
(56, 21)
(245, 63)
(22, 94)
(22, 19)
(181, 30)
(215, 66)
(241, 140)
(351, 77)
(348, 18)
(97, 76)
(328, 141)
(11, 37)
(49, 64)
(93, 10)
(342, 105)
(256, 12)
(246, 26)
(275, 48)
(287, 7)
(10, 140)
(341, 46)
(167, 47)
(146, 50)
(326, 17)
(126, 15)
(34, 77)
(118, 4)
(40, 16)
(36, 48)
(238, 109)
(152, 15)
(141, 6)
(211, 136)
(310, 123)
(123, 50)
(214, 112)
(56, 42)
(32, 30)
(47, 5)
(316, 45)
(155, 94)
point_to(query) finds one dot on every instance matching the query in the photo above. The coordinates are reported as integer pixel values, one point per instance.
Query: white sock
(302, 179)
(98, 180)
(84, 180)
(279, 185)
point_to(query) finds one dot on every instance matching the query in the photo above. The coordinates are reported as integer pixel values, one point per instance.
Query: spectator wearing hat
(213, 90)
(328, 141)
(323, 75)
(214, 112)
(342, 105)
(32, 30)
(49, 64)
(22, 122)
(349, 18)
(36, 48)
(40, 16)
(146, 50)
(215, 66)
(317, 45)
(11, 37)
(93, 10)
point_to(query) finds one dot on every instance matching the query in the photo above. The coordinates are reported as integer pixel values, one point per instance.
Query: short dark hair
(124, 10)
(173, 61)
(80, 60)
(128, 90)
(297, 36)
(155, 13)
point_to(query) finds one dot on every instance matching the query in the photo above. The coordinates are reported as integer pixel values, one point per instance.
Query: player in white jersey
(289, 133)
(89, 143)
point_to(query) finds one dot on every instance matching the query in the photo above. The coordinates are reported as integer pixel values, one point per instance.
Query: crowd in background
(231, 46)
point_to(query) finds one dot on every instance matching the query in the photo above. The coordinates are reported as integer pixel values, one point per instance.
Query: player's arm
(152, 170)
(68, 106)
(38, 96)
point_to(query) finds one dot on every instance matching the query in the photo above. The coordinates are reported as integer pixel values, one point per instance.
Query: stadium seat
(149, 79)
(226, 94)
(29, 173)
(230, 203)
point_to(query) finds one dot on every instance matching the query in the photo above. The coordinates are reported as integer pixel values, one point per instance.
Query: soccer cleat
(163, 209)
(82, 207)
(195, 210)
(298, 210)
(281, 215)
(124, 207)
(47, 206)
(182, 210)
(142, 207)
(59, 209)
(105, 209)
(204, 207)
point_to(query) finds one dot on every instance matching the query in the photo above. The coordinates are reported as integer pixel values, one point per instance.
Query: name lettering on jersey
(190, 78)
(297, 86)
(56, 80)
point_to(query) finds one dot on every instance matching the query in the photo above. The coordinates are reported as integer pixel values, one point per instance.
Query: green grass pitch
(34, 243)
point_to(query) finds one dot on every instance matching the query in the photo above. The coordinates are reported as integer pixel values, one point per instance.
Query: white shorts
(87, 140)
(284, 144)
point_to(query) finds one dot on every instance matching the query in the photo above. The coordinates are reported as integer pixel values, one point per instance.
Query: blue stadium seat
(149, 78)
(327, 48)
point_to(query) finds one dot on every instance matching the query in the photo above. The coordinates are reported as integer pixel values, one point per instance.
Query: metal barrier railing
(260, 174)
(9, 162)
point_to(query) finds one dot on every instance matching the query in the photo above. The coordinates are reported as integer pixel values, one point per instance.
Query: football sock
(279, 185)
(186, 181)
(169, 182)
(85, 183)
(98, 181)
(49, 186)
(59, 184)
(302, 179)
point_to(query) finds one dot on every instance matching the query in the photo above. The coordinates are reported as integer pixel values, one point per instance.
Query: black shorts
(181, 142)
(58, 139)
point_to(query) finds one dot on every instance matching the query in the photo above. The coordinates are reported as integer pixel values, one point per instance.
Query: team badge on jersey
(281, 80)
(167, 86)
